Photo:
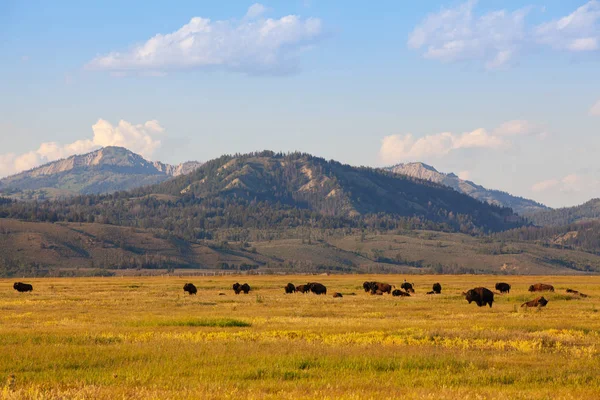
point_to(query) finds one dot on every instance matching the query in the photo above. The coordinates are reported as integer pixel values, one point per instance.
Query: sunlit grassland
(143, 338)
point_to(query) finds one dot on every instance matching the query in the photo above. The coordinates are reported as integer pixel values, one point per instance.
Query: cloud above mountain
(496, 38)
(572, 183)
(407, 147)
(140, 138)
(252, 45)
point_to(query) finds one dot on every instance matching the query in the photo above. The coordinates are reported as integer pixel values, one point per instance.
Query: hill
(105, 170)
(419, 170)
(589, 211)
(279, 191)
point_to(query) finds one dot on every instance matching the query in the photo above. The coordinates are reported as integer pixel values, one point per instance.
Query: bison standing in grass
(190, 288)
(237, 288)
(382, 287)
(290, 288)
(22, 287)
(503, 287)
(317, 288)
(539, 302)
(245, 288)
(541, 287)
(481, 296)
(302, 288)
(409, 287)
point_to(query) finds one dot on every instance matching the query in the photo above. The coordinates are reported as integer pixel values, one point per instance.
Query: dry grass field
(143, 338)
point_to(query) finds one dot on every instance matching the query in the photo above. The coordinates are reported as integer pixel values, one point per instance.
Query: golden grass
(143, 338)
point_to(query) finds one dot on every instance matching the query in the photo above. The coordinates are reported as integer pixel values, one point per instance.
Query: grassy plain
(143, 338)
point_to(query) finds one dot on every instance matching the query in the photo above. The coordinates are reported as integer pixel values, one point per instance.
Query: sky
(503, 93)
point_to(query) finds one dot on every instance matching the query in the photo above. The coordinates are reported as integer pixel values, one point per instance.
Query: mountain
(589, 211)
(105, 170)
(281, 191)
(423, 171)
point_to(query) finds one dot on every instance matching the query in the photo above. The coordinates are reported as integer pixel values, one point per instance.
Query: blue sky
(500, 92)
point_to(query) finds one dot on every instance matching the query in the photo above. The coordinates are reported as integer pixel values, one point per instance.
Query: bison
(541, 287)
(576, 292)
(317, 288)
(409, 287)
(245, 288)
(190, 288)
(481, 296)
(302, 288)
(383, 287)
(290, 288)
(337, 295)
(503, 287)
(237, 288)
(539, 302)
(22, 287)
(398, 292)
(437, 288)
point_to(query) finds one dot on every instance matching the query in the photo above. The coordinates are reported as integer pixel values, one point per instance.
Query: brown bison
(190, 288)
(437, 288)
(290, 288)
(541, 287)
(383, 287)
(245, 288)
(576, 292)
(503, 287)
(398, 292)
(317, 288)
(302, 289)
(539, 302)
(481, 296)
(337, 295)
(409, 287)
(237, 288)
(22, 287)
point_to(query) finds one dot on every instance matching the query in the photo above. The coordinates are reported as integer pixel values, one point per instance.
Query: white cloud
(576, 32)
(458, 35)
(496, 38)
(573, 183)
(520, 128)
(139, 138)
(595, 110)
(253, 44)
(396, 148)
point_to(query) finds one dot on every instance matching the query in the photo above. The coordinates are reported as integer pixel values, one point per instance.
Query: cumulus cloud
(572, 183)
(140, 138)
(457, 34)
(520, 128)
(396, 148)
(576, 32)
(253, 44)
(595, 110)
(497, 37)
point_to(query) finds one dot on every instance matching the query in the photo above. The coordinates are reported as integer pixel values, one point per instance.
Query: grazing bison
(409, 287)
(383, 287)
(190, 288)
(398, 292)
(302, 288)
(541, 287)
(22, 287)
(503, 287)
(437, 288)
(245, 288)
(290, 288)
(337, 295)
(481, 296)
(237, 288)
(539, 302)
(317, 288)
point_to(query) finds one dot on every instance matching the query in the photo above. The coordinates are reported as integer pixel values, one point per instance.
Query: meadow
(144, 338)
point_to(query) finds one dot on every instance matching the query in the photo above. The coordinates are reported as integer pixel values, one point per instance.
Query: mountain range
(106, 170)
(419, 170)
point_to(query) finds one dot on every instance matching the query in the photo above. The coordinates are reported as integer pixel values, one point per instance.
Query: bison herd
(479, 295)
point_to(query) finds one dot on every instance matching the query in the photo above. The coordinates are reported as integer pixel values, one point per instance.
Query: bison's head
(543, 301)
(531, 288)
(471, 296)
(16, 285)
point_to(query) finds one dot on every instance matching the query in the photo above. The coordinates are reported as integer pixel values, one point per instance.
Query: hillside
(106, 170)
(589, 211)
(279, 191)
(82, 249)
(423, 171)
